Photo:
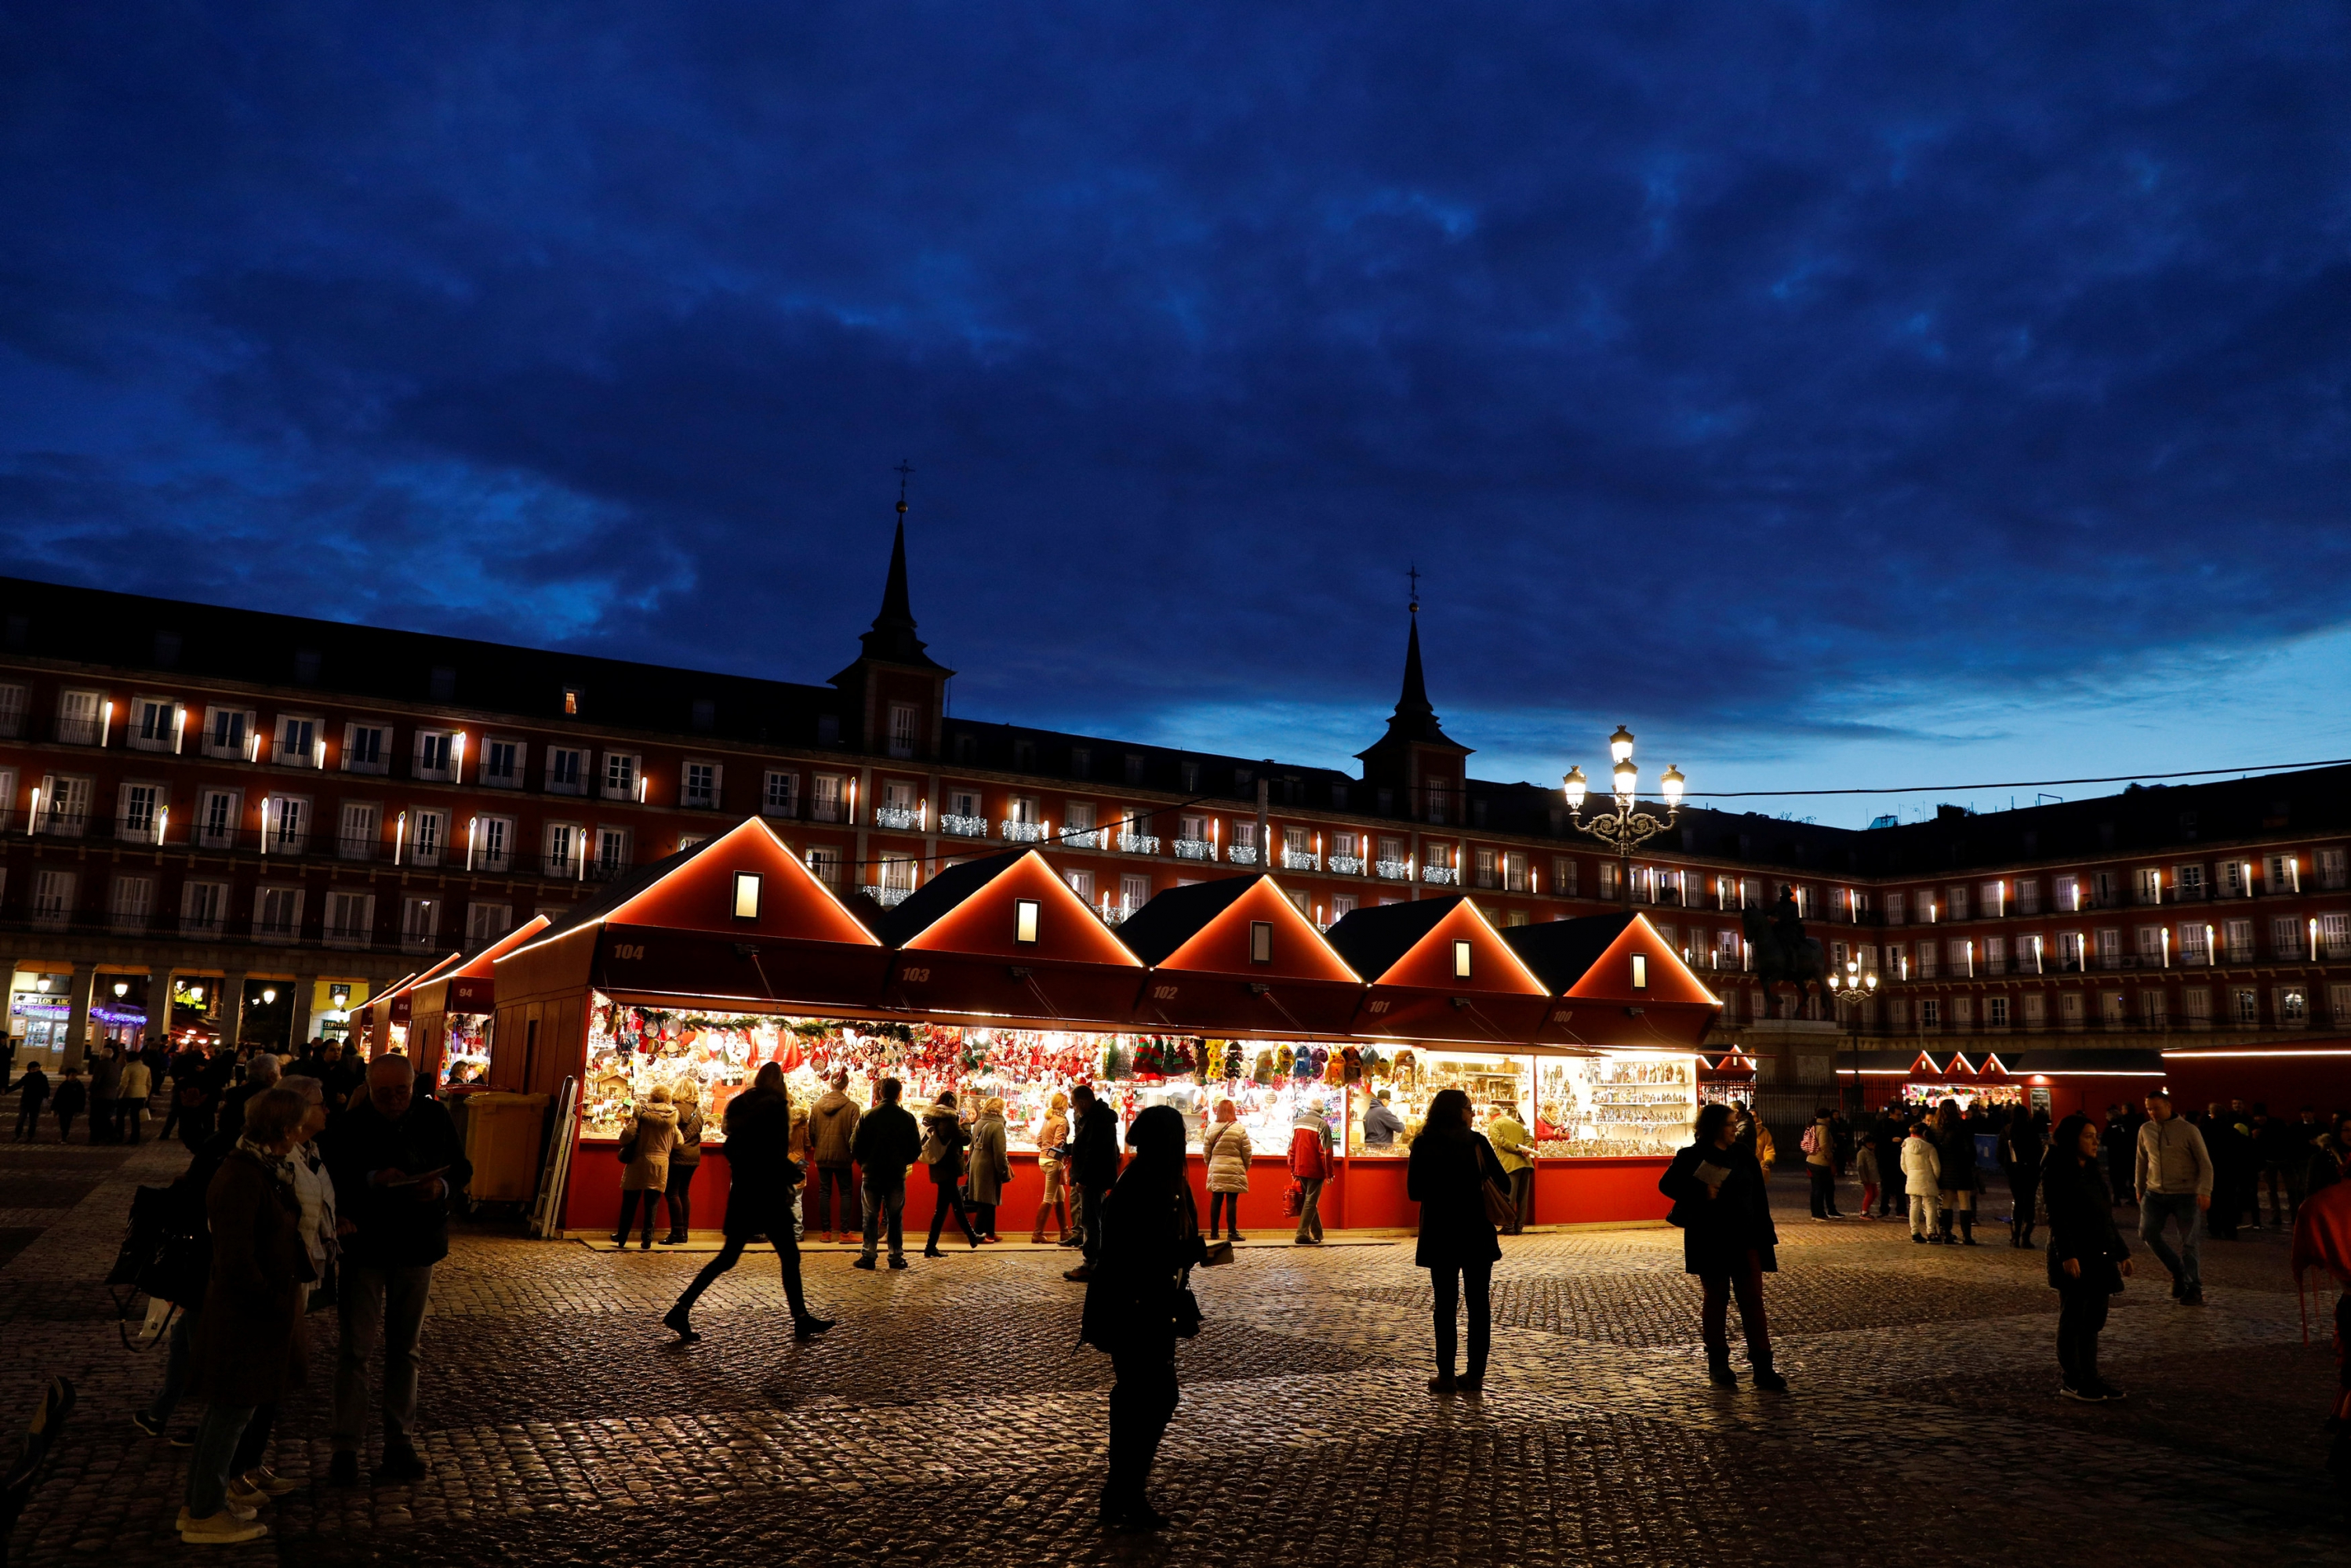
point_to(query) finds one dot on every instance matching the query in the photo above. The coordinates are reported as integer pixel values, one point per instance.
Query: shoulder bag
(1187, 1307)
(1501, 1210)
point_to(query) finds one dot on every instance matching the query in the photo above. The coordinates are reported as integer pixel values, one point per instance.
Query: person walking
(249, 1351)
(1052, 1166)
(132, 1090)
(105, 1085)
(1150, 1242)
(1093, 1166)
(1309, 1168)
(1955, 1156)
(2088, 1259)
(990, 1166)
(2172, 1174)
(1447, 1172)
(761, 1177)
(1225, 1150)
(2024, 1153)
(888, 1142)
(394, 1159)
(1820, 1143)
(684, 1159)
(1724, 1211)
(943, 1140)
(832, 1140)
(645, 1174)
(1921, 1182)
(32, 1093)
(1507, 1136)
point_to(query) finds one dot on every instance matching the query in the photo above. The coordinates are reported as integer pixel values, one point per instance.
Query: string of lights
(2027, 783)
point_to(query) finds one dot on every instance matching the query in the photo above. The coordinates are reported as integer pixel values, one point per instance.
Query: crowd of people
(117, 1094)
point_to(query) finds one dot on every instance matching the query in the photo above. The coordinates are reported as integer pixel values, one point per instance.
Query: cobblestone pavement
(952, 1419)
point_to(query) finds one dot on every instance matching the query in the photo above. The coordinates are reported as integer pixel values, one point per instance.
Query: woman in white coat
(1922, 1173)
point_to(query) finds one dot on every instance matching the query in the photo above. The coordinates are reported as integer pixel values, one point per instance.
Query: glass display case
(465, 1049)
(1628, 1102)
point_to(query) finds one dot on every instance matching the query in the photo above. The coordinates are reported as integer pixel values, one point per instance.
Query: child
(72, 1095)
(1864, 1165)
(1922, 1173)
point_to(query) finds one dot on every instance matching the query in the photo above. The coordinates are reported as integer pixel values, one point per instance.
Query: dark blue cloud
(1796, 379)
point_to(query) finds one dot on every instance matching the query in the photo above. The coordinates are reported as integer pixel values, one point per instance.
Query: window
(53, 898)
(428, 835)
(901, 731)
(2036, 1010)
(420, 920)
(2187, 883)
(1133, 892)
(154, 725)
(1261, 941)
(350, 919)
(2239, 934)
(12, 711)
(779, 793)
(2152, 1011)
(1897, 909)
(562, 854)
(1024, 920)
(436, 753)
(699, 788)
(1191, 774)
(1926, 960)
(216, 819)
(828, 729)
(1995, 955)
(824, 804)
(1342, 905)
(359, 829)
(1486, 876)
(1514, 872)
(203, 908)
(2282, 873)
(1460, 959)
(365, 748)
(285, 824)
(227, 733)
(2110, 1009)
(1082, 883)
(572, 698)
(566, 770)
(277, 913)
(2287, 938)
(1080, 817)
(1930, 1012)
(2069, 893)
(81, 718)
(2151, 954)
(824, 861)
(2237, 879)
(133, 897)
(1563, 876)
(2334, 871)
(2147, 885)
(2246, 1006)
(7, 796)
(2028, 895)
(1081, 762)
(297, 743)
(1958, 899)
(2338, 1003)
(2193, 946)
(611, 851)
(1133, 775)
(139, 813)
(485, 922)
(494, 840)
(64, 805)
(746, 895)
(1963, 958)
(1963, 1011)
(2335, 935)
(1609, 876)
(503, 762)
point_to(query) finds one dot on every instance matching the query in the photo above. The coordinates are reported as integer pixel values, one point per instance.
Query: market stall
(380, 1027)
(1727, 1079)
(2283, 1074)
(2060, 1082)
(451, 1014)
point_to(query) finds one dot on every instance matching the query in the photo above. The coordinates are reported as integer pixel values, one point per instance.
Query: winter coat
(137, 1084)
(1823, 1149)
(104, 1077)
(1508, 1141)
(2022, 1149)
(1094, 1151)
(1718, 1232)
(397, 1229)
(72, 1098)
(1051, 1134)
(1955, 1151)
(688, 1153)
(1767, 1153)
(1865, 1164)
(887, 1143)
(1381, 1126)
(1226, 1145)
(2082, 1224)
(943, 1142)
(832, 1129)
(761, 1174)
(1148, 1238)
(1922, 1167)
(315, 1190)
(1445, 1174)
(1310, 1147)
(249, 1345)
(655, 1133)
(991, 1167)
(35, 1086)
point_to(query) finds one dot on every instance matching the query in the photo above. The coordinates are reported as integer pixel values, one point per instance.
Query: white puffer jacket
(1922, 1167)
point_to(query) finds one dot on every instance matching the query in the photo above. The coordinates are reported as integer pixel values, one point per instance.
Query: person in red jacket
(2322, 1239)
(1309, 1166)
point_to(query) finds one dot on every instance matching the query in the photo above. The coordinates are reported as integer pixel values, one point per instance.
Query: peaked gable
(1226, 942)
(978, 913)
(1418, 951)
(695, 890)
(1666, 978)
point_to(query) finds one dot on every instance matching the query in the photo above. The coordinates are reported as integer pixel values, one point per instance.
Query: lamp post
(1856, 985)
(1623, 830)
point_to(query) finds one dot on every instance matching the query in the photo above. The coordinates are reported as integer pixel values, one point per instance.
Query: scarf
(278, 1165)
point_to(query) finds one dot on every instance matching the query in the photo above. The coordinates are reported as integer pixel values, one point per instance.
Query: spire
(892, 635)
(1415, 698)
(1415, 720)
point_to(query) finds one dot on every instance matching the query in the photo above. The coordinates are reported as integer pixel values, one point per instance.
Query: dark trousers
(1522, 1200)
(1714, 1319)
(176, 1355)
(787, 1256)
(65, 1127)
(1089, 1221)
(633, 1200)
(1449, 1282)
(832, 1180)
(28, 1120)
(2023, 1191)
(1823, 1190)
(679, 1194)
(948, 1196)
(126, 1126)
(2081, 1314)
(1218, 1202)
(1142, 1402)
(1888, 1160)
(983, 1218)
(101, 1120)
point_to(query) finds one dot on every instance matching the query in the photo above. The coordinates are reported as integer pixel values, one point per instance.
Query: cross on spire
(904, 470)
(1414, 573)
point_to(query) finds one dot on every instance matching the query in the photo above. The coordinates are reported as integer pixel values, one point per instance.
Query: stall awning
(1614, 982)
(736, 920)
(366, 1013)
(1003, 937)
(470, 988)
(1234, 956)
(395, 1006)
(1439, 971)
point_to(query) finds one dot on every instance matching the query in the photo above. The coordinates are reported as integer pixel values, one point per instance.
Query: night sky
(1836, 394)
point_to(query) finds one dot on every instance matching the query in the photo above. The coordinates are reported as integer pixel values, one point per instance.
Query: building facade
(243, 824)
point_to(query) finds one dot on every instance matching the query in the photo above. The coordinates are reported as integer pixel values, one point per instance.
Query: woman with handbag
(1151, 1239)
(943, 1140)
(1225, 1152)
(1463, 1193)
(991, 1166)
(1728, 1241)
(646, 1152)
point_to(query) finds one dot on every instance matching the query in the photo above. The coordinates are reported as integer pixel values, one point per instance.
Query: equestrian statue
(1782, 954)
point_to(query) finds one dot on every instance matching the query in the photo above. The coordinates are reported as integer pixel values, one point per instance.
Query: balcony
(51, 918)
(564, 863)
(1347, 865)
(203, 927)
(1395, 870)
(1138, 843)
(1022, 832)
(347, 937)
(607, 870)
(964, 827)
(1301, 860)
(887, 897)
(1090, 839)
(1196, 849)
(279, 932)
(357, 848)
(77, 730)
(899, 817)
(1242, 854)
(1440, 877)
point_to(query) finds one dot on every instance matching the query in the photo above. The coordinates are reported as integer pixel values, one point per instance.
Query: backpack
(1810, 1141)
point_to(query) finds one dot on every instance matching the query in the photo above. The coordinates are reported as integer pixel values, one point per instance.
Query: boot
(1767, 1380)
(1967, 1230)
(1718, 1369)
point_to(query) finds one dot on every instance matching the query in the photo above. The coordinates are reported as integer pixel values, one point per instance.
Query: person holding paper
(1728, 1241)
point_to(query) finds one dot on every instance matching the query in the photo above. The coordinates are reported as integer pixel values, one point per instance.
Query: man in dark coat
(1093, 1166)
(761, 1177)
(1728, 1241)
(394, 1159)
(886, 1142)
(32, 1093)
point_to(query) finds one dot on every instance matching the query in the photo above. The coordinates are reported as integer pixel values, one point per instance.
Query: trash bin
(502, 1140)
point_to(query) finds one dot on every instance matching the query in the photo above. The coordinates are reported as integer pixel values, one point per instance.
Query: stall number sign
(915, 977)
(1375, 1008)
(628, 949)
(1163, 993)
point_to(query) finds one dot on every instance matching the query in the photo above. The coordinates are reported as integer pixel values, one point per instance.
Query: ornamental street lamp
(1623, 830)
(1856, 987)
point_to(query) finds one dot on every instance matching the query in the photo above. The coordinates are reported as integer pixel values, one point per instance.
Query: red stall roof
(1615, 982)
(1005, 937)
(1439, 971)
(468, 987)
(1234, 957)
(393, 1006)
